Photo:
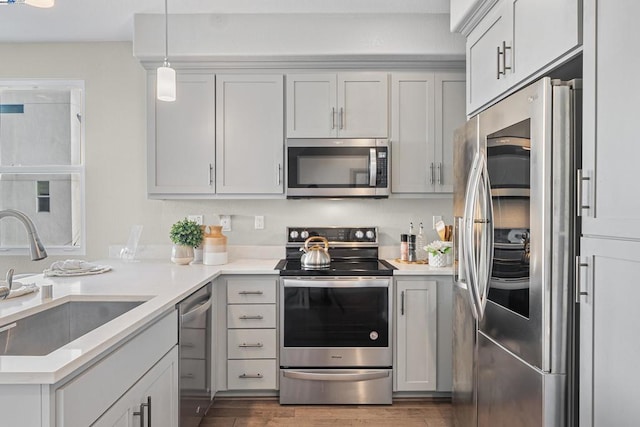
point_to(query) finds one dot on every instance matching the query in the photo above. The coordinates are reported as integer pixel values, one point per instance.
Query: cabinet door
(416, 342)
(610, 148)
(363, 105)
(449, 115)
(543, 31)
(484, 64)
(609, 347)
(311, 106)
(181, 137)
(249, 134)
(160, 387)
(412, 132)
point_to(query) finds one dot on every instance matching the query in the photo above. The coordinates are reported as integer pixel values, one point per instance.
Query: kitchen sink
(48, 330)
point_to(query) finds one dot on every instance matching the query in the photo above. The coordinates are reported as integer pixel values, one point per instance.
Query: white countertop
(160, 283)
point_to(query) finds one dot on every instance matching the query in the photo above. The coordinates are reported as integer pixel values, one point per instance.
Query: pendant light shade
(165, 75)
(166, 83)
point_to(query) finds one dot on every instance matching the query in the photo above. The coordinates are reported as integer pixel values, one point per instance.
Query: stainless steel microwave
(337, 168)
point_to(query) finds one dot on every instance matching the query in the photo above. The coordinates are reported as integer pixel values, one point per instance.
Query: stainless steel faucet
(36, 248)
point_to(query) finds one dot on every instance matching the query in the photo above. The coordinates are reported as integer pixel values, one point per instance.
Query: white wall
(115, 161)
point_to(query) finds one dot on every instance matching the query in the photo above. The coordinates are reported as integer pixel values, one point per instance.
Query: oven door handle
(336, 283)
(318, 376)
(197, 311)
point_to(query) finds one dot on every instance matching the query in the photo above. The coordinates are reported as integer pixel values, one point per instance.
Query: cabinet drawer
(251, 291)
(192, 344)
(252, 374)
(251, 343)
(251, 316)
(193, 374)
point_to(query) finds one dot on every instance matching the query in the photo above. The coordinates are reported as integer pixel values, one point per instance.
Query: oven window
(320, 167)
(336, 317)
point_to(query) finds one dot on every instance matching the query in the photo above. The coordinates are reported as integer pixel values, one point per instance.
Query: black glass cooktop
(292, 267)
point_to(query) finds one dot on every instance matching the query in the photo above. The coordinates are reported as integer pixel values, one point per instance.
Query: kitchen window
(42, 164)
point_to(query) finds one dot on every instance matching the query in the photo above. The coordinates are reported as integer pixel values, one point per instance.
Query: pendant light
(166, 76)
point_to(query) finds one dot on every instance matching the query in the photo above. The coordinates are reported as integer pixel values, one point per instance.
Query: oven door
(336, 322)
(337, 168)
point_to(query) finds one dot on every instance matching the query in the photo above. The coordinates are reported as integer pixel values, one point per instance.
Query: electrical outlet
(199, 219)
(259, 222)
(436, 218)
(225, 222)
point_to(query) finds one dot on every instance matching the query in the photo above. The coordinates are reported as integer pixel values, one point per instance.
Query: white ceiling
(112, 20)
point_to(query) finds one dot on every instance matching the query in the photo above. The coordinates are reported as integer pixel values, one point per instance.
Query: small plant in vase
(185, 235)
(438, 251)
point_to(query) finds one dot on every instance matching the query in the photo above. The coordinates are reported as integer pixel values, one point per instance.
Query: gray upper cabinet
(426, 108)
(516, 40)
(346, 105)
(224, 135)
(249, 134)
(181, 137)
(611, 206)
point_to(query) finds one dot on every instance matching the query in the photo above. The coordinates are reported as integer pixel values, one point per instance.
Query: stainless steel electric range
(336, 329)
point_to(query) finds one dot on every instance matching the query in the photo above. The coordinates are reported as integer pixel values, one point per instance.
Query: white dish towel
(74, 267)
(18, 289)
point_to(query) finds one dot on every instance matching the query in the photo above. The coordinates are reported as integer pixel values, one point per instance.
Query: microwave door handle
(373, 167)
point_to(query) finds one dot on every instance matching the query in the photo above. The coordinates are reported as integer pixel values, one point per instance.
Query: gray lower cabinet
(423, 334)
(609, 345)
(426, 108)
(251, 334)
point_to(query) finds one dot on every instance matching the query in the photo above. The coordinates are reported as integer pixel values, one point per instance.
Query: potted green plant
(185, 235)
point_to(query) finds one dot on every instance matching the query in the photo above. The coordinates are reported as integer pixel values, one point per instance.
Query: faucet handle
(9, 278)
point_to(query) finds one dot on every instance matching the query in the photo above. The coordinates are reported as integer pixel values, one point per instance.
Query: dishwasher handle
(196, 311)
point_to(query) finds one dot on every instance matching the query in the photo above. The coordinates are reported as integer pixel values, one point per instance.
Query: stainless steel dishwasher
(194, 336)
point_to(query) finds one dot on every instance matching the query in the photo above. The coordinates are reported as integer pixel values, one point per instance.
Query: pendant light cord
(166, 32)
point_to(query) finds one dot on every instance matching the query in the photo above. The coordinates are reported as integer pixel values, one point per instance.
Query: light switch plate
(225, 222)
(259, 222)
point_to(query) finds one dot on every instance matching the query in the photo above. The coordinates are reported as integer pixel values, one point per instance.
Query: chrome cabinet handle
(503, 53)
(140, 413)
(278, 173)
(498, 64)
(249, 376)
(333, 117)
(431, 176)
(250, 293)
(440, 173)
(257, 345)
(579, 292)
(210, 174)
(402, 303)
(245, 317)
(187, 376)
(581, 179)
(341, 118)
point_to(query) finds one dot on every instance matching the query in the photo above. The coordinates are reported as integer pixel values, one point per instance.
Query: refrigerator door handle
(487, 256)
(468, 225)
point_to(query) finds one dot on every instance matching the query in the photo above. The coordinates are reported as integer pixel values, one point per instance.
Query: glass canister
(214, 246)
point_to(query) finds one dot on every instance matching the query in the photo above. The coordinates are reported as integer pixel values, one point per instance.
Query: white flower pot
(438, 260)
(181, 254)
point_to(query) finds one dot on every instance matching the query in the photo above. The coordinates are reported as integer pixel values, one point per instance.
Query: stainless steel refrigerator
(516, 233)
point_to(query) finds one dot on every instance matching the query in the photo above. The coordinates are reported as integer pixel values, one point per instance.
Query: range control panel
(347, 235)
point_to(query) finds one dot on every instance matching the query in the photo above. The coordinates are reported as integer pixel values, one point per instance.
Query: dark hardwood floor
(268, 412)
